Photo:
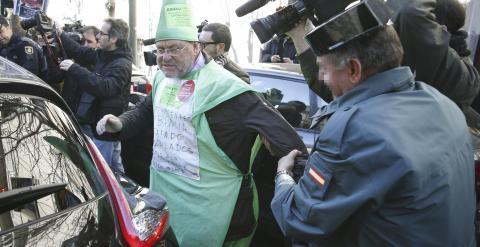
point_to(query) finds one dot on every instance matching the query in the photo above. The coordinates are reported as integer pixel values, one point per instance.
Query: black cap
(359, 19)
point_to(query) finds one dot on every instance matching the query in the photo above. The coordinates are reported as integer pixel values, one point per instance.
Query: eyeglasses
(102, 33)
(204, 44)
(172, 51)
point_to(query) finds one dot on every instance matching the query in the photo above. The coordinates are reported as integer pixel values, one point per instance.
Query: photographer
(104, 90)
(373, 178)
(437, 56)
(90, 36)
(430, 52)
(22, 51)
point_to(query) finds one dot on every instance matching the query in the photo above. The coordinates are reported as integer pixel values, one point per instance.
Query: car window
(39, 147)
(291, 96)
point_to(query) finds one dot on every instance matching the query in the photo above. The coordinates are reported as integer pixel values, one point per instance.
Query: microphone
(250, 6)
(147, 42)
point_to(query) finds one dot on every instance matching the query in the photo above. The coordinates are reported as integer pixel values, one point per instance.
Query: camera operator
(380, 173)
(22, 51)
(428, 50)
(104, 90)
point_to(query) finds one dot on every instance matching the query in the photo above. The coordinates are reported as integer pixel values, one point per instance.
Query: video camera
(40, 20)
(149, 56)
(286, 18)
(75, 31)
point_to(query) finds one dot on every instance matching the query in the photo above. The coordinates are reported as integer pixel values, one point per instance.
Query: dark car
(55, 187)
(285, 87)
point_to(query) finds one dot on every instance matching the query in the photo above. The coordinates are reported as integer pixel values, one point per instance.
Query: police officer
(22, 51)
(380, 173)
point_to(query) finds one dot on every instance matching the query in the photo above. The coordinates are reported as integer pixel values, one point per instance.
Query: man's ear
(196, 47)
(355, 71)
(114, 39)
(222, 46)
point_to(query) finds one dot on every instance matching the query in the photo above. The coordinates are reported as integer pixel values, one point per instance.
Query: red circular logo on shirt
(186, 90)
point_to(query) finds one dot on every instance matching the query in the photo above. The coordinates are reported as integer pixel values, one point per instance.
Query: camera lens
(264, 28)
(28, 23)
(279, 22)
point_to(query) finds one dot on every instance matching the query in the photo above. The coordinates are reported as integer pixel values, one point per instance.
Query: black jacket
(427, 52)
(278, 46)
(28, 54)
(104, 90)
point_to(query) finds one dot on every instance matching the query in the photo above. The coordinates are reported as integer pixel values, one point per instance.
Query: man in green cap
(206, 127)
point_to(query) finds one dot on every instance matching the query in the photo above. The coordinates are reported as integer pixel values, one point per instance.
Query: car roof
(136, 70)
(10, 71)
(275, 69)
(15, 79)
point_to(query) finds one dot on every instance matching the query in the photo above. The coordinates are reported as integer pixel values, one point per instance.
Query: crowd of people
(392, 165)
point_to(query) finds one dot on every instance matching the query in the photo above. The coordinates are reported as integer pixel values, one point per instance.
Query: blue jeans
(110, 150)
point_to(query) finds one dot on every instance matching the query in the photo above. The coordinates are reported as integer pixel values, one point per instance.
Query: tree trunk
(132, 36)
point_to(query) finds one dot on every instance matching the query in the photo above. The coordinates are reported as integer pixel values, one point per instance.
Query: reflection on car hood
(9, 71)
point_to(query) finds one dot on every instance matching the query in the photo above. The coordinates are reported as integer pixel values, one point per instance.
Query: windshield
(41, 149)
(11, 71)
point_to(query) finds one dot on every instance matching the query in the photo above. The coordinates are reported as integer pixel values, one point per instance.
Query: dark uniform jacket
(104, 90)
(382, 173)
(235, 125)
(28, 54)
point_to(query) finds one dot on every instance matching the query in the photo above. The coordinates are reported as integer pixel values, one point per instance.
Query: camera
(286, 18)
(75, 31)
(149, 56)
(40, 20)
(202, 24)
(281, 21)
(299, 166)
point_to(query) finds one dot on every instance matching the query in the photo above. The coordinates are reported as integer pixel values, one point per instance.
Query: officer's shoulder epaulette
(28, 41)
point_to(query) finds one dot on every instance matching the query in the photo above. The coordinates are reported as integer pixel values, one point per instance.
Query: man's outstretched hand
(110, 124)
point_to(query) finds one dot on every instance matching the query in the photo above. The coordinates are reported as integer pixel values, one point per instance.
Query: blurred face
(336, 77)
(5, 35)
(209, 46)
(105, 41)
(175, 57)
(90, 39)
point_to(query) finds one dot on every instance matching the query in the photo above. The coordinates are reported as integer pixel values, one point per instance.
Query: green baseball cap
(176, 21)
